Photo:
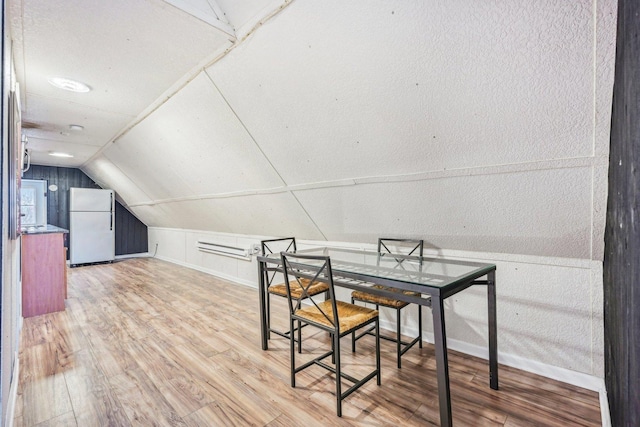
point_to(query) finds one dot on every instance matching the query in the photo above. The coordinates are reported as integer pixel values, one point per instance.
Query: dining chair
(338, 318)
(275, 246)
(392, 246)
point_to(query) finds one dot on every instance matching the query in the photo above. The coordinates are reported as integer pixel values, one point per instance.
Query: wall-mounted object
(26, 157)
(225, 250)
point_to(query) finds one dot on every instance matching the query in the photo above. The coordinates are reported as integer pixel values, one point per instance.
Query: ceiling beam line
(218, 11)
(222, 25)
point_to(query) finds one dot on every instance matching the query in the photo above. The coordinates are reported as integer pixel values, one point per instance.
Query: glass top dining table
(435, 279)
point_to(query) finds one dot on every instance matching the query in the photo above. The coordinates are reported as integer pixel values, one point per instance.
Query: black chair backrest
(274, 246)
(411, 245)
(316, 269)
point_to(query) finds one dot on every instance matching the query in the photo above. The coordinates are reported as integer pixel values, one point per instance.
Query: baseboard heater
(225, 250)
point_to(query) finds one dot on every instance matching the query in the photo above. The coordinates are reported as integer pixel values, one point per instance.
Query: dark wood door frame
(622, 235)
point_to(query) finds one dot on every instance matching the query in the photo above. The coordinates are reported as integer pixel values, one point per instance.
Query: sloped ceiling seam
(226, 101)
(267, 159)
(219, 24)
(555, 164)
(185, 80)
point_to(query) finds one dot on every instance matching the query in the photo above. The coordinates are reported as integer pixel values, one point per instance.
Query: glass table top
(430, 272)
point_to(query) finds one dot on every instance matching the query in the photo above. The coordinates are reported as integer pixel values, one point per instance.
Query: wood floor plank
(220, 414)
(145, 342)
(111, 356)
(36, 408)
(67, 419)
(141, 400)
(184, 392)
(92, 399)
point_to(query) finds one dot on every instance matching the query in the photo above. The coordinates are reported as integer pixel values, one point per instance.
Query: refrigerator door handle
(111, 212)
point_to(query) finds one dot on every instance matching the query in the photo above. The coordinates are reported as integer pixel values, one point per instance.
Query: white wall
(481, 127)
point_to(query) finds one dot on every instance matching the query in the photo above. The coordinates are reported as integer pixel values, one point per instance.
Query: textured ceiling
(481, 126)
(130, 52)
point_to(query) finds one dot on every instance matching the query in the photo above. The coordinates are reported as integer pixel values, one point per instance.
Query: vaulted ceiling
(477, 126)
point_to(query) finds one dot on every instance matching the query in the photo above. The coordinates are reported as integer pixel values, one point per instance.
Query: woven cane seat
(382, 300)
(350, 315)
(296, 288)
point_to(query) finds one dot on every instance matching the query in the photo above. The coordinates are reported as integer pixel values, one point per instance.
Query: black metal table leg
(493, 333)
(263, 309)
(442, 363)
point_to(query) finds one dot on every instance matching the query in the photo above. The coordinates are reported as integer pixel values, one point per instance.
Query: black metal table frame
(438, 294)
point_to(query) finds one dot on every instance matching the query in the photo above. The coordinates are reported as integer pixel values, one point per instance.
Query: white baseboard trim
(579, 379)
(605, 413)
(138, 255)
(13, 393)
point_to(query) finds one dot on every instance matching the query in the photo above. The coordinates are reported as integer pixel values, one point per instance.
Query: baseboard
(579, 379)
(605, 413)
(13, 393)
(138, 255)
(568, 376)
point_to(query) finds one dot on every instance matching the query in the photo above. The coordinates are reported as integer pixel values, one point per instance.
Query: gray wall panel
(622, 235)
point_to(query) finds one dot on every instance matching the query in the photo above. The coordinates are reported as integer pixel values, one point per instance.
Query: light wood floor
(145, 342)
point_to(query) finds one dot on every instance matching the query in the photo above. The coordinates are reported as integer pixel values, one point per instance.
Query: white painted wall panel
(402, 87)
(226, 265)
(544, 315)
(278, 213)
(192, 145)
(171, 244)
(544, 212)
(179, 246)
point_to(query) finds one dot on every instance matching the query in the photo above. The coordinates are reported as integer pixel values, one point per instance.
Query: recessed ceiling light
(68, 84)
(76, 127)
(59, 154)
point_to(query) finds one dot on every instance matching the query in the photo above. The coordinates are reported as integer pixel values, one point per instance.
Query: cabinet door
(43, 270)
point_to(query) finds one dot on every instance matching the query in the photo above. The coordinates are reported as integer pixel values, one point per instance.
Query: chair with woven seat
(338, 318)
(408, 247)
(275, 246)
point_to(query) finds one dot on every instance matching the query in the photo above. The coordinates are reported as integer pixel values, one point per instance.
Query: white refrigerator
(91, 225)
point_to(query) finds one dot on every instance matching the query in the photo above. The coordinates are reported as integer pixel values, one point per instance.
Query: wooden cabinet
(43, 273)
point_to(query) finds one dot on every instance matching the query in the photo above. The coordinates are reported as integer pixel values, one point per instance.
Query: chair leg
(420, 325)
(398, 338)
(353, 335)
(333, 350)
(336, 354)
(299, 336)
(268, 307)
(378, 350)
(292, 350)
